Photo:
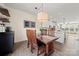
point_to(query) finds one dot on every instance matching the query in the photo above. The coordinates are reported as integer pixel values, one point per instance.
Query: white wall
(17, 23)
(18, 17)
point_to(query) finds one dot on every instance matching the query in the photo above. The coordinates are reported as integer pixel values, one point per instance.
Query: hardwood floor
(69, 48)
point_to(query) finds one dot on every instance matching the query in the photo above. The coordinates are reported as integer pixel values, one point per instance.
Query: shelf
(4, 20)
(4, 12)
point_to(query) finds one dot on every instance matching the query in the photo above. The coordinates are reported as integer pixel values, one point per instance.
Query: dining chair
(34, 42)
(28, 36)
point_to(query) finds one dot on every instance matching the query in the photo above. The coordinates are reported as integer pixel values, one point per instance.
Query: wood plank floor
(69, 48)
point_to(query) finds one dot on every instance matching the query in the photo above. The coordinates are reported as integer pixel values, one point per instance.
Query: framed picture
(33, 24)
(29, 24)
(26, 24)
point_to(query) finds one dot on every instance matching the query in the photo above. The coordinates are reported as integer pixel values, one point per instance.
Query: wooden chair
(34, 42)
(29, 38)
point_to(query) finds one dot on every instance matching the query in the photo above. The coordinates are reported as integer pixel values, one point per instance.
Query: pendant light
(42, 16)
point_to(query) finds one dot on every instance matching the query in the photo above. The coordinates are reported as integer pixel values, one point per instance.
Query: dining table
(49, 43)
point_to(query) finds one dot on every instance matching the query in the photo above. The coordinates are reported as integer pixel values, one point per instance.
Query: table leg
(46, 52)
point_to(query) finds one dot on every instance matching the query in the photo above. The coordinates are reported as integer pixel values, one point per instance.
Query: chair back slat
(31, 34)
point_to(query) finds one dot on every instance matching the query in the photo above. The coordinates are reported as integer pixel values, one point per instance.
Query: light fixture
(42, 16)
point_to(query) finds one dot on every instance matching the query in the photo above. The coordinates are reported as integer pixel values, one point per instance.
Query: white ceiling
(68, 10)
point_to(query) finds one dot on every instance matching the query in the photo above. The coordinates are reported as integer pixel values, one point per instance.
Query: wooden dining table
(48, 41)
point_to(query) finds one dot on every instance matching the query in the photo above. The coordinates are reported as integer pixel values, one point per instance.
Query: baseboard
(19, 42)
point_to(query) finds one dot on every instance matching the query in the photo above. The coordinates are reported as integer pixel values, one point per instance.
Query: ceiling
(67, 10)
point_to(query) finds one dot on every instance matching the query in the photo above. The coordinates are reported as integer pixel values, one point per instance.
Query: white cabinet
(60, 34)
